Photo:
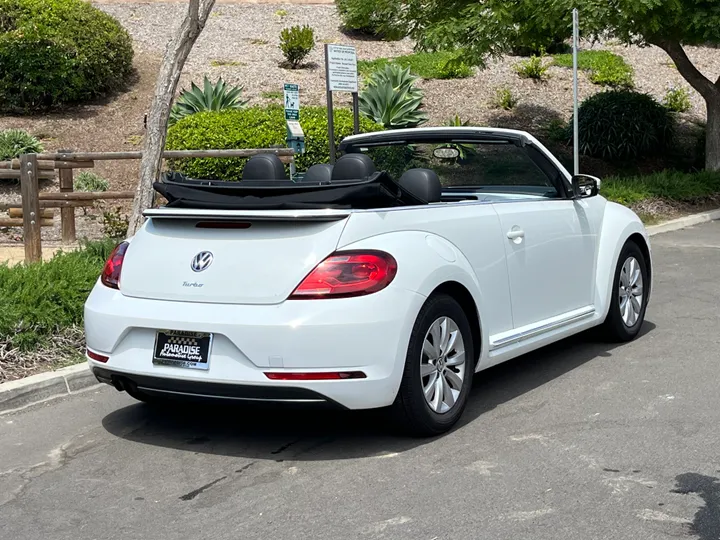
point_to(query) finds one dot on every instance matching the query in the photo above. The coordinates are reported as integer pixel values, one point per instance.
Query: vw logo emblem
(201, 261)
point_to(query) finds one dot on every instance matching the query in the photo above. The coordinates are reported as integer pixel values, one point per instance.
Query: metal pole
(331, 124)
(576, 138)
(356, 113)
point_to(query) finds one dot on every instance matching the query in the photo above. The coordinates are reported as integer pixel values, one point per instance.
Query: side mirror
(585, 185)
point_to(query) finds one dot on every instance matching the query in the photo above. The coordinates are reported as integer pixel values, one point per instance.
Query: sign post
(576, 141)
(341, 76)
(295, 135)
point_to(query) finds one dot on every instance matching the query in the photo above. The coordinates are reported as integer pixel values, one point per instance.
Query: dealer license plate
(182, 349)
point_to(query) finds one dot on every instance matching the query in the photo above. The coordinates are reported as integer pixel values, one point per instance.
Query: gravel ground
(247, 36)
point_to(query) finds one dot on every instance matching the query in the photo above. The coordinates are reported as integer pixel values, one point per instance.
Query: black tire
(411, 410)
(615, 328)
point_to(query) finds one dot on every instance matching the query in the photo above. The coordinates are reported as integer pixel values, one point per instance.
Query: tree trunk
(708, 90)
(174, 59)
(712, 144)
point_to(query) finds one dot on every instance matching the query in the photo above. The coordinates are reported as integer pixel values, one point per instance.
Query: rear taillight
(110, 276)
(349, 273)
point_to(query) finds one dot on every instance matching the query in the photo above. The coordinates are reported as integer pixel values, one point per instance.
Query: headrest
(264, 167)
(353, 167)
(320, 172)
(423, 183)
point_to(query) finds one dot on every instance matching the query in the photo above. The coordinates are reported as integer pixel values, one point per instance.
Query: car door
(550, 250)
(549, 240)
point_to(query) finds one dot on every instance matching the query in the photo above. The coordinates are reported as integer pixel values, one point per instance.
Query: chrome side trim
(542, 329)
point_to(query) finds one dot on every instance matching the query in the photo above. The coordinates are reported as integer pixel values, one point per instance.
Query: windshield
(489, 166)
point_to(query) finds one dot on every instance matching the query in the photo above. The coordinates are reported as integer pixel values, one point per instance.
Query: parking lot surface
(580, 440)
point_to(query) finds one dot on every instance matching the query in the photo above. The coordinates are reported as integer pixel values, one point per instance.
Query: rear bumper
(197, 389)
(368, 334)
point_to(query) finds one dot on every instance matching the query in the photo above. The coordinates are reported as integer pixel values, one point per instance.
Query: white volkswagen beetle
(387, 280)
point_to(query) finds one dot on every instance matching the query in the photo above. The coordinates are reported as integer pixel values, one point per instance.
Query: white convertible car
(387, 280)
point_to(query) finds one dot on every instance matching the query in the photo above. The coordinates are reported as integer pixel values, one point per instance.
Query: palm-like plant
(211, 97)
(392, 99)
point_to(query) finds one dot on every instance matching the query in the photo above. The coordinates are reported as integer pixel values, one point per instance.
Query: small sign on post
(292, 101)
(341, 76)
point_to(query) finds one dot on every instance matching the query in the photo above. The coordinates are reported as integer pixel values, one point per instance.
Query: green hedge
(254, 127)
(40, 300)
(59, 51)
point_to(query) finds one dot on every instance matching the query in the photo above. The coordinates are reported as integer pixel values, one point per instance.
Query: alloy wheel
(442, 365)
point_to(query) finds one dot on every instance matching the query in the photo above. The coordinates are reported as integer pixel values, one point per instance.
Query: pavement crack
(194, 493)
(245, 467)
(285, 447)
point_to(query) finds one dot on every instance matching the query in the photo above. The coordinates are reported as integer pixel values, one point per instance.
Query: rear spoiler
(324, 215)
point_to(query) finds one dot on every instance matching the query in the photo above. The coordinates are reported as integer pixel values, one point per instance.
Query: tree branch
(687, 69)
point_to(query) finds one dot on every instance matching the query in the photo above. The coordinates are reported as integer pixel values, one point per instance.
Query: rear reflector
(317, 376)
(97, 357)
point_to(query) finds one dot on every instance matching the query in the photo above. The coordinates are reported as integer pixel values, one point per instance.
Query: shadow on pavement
(307, 434)
(706, 524)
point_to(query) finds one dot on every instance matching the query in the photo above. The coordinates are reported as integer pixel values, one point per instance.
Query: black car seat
(320, 172)
(423, 184)
(353, 167)
(264, 167)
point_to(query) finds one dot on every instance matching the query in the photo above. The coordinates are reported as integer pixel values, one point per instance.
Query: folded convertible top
(376, 191)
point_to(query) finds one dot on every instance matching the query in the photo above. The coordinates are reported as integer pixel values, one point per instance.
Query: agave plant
(392, 100)
(14, 142)
(212, 97)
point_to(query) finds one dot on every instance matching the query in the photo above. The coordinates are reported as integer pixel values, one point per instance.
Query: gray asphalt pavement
(581, 440)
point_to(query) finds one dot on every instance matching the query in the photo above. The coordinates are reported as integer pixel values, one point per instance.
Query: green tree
(492, 27)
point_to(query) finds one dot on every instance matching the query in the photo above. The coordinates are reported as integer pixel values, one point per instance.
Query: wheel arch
(464, 297)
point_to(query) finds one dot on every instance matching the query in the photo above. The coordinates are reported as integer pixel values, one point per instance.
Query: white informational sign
(342, 68)
(292, 102)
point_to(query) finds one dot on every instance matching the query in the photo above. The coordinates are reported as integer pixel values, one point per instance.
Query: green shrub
(505, 99)
(428, 65)
(115, 224)
(296, 43)
(622, 124)
(14, 142)
(535, 68)
(606, 68)
(211, 97)
(668, 185)
(40, 300)
(558, 131)
(254, 127)
(392, 100)
(378, 18)
(677, 99)
(59, 51)
(89, 181)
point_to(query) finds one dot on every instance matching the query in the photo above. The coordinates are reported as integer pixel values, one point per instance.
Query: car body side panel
(455, 243)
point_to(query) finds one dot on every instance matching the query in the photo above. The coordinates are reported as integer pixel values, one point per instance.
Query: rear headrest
(353, 167)
(423, 183)
(264, 167)
(320, 172)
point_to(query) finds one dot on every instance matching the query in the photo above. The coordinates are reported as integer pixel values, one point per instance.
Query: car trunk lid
(256, 257)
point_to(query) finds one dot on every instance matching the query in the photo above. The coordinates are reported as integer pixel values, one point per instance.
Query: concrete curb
(16, 395)
(683, 222)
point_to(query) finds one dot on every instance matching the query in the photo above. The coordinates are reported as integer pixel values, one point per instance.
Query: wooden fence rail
(30, 168)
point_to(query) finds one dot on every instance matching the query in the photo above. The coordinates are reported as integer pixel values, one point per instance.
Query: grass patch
(220, 63)
(605, 68)
(428, 65)
(274, 95)
(672, 186)
(39, 301)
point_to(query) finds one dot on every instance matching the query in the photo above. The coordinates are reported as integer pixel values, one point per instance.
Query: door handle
(516, 235)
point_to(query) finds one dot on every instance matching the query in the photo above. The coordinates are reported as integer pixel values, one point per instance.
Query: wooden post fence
(33, 167)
